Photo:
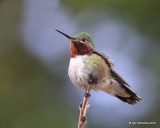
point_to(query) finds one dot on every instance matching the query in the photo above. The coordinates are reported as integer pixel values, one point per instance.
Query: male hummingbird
(88, 67)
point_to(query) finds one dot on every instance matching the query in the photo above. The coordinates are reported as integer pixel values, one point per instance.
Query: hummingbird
(88, 67)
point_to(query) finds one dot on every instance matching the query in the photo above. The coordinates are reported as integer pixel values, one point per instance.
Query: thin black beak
(69, 37)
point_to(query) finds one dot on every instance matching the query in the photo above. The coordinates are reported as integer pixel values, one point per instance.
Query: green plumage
(89, 67)
(95, 63)
(86, 36)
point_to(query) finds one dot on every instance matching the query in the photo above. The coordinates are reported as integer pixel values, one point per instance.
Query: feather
(113, 74)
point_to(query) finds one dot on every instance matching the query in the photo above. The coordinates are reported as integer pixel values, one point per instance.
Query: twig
(84, 109)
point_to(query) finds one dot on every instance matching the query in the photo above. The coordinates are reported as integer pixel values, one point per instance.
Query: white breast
(77, 71)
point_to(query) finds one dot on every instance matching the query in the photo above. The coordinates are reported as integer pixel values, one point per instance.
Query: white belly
(79, 74)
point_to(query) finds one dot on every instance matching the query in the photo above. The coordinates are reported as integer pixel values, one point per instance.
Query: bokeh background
(35, 90)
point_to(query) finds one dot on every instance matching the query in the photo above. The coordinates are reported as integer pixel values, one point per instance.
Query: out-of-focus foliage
(144, 14)
(31, 94)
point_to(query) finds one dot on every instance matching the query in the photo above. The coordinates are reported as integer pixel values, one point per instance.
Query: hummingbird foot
(87, 95)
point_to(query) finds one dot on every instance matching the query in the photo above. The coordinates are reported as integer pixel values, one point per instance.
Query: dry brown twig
(84, 106)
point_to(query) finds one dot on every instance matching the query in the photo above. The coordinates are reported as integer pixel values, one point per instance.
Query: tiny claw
(87, 95)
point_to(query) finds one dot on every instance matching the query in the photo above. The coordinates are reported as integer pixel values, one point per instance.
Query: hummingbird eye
(84, 39)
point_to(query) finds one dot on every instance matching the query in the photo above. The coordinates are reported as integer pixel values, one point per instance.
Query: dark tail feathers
(133, 99)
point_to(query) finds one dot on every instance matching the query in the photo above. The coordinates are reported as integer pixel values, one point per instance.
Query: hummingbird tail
(122, 92)
(133, 99)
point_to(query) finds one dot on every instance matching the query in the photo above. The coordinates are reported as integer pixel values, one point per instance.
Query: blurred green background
(35, 91)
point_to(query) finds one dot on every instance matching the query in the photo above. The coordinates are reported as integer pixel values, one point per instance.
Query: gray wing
(118, 78)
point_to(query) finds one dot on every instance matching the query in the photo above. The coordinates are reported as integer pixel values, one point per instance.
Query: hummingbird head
(80, 44)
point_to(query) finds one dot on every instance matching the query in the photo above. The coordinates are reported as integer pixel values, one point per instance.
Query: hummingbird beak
(69, 37)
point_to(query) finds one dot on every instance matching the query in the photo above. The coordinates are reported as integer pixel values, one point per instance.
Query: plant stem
(84, 109)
